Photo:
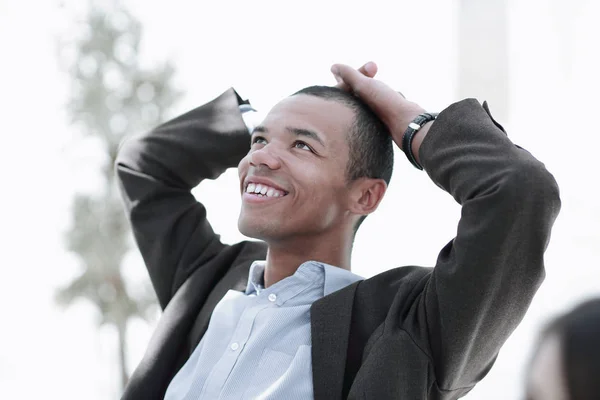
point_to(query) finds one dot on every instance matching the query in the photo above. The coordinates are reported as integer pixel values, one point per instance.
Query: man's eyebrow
(294, 131)
(259, 129)
(307, 133)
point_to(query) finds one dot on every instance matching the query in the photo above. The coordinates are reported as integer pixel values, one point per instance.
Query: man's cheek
(242, 166)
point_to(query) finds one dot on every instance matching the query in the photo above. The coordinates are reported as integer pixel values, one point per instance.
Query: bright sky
(268, 49)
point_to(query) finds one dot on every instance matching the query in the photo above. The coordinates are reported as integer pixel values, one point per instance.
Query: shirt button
(272, 297)
(234, 346)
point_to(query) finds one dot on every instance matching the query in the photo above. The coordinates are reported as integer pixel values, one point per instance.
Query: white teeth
(274, 193)
(263, 190)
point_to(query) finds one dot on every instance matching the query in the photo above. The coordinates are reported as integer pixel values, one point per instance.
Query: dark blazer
(409, 333)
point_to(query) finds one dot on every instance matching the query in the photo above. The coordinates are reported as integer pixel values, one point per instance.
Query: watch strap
(410, 133)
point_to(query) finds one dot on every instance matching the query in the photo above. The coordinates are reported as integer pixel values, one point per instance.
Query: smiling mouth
(262, 190)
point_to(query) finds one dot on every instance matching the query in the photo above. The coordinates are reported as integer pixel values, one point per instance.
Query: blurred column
(564, 17)
(483, 65)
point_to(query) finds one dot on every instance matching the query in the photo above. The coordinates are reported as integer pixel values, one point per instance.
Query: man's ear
(365, 195)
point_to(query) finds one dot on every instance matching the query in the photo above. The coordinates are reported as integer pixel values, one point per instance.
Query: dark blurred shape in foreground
(566, 363)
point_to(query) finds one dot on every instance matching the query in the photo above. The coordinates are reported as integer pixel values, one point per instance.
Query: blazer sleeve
(156, 173)
(486, 277)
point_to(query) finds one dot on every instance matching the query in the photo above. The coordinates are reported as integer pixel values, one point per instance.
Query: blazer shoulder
(379, 296)
(404, 277)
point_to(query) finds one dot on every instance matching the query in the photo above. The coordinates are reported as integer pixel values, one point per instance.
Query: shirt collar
(335, 278)
(256, 277)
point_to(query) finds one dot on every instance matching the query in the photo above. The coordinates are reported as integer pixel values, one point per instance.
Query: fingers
(368, 70)
(381, 98)
(350, 79)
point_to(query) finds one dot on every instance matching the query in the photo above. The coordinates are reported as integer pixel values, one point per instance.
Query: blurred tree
(111, 94)
(483, 64)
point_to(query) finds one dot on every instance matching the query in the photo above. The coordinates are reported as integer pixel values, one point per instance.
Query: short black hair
(578, 332)
(371, 153)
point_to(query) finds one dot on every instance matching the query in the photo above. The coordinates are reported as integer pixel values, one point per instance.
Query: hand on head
(389, 105)
(369, 70)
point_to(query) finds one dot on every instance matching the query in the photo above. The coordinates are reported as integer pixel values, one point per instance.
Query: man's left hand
(389, 105)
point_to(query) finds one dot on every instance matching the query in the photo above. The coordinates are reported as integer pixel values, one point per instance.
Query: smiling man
(283, 317)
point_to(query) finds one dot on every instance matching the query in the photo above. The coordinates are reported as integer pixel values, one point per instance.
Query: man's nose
(266, 156)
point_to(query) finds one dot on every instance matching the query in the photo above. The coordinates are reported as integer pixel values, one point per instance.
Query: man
(299, 324)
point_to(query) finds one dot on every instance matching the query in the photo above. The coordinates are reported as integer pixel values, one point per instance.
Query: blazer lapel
(184, 317)
(330, 328)
(163, 358)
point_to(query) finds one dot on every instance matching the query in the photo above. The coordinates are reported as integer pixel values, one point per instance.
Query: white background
(267, 50)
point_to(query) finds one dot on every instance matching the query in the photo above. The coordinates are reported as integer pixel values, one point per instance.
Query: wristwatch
(410, 133)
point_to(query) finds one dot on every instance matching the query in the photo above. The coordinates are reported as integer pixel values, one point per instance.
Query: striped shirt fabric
(258, 343)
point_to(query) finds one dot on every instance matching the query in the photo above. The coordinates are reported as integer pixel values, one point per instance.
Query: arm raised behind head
(157, 172)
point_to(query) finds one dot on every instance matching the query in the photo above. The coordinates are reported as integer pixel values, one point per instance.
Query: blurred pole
(483, 65)
(122, 337)
(564, 18)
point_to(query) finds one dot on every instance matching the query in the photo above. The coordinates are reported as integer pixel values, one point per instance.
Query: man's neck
(283, 259)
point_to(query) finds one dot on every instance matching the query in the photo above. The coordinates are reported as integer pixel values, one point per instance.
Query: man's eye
(302, 145)
(259, 139)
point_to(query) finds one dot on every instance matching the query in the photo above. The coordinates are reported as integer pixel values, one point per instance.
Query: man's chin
(255, 229)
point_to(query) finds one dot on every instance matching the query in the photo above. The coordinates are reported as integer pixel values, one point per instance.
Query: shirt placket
(220, 374)
(276, 295)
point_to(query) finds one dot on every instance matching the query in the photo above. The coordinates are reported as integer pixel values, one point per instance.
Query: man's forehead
(324, 115)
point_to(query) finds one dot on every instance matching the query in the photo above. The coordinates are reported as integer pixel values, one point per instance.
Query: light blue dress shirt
(258, 343)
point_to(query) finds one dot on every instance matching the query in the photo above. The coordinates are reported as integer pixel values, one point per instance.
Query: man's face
(298, 164)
